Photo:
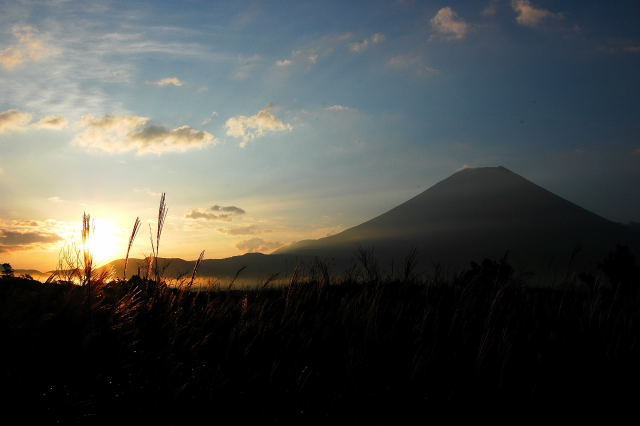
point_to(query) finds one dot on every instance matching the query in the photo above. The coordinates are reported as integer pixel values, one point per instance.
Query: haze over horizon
(272, 122)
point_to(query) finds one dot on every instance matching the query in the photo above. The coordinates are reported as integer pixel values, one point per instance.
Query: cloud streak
(28, 47)
(361, 46)
(244, 230)
(125, 133)
(168, 81)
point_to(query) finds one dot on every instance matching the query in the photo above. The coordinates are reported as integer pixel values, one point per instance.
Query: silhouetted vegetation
(323, 348)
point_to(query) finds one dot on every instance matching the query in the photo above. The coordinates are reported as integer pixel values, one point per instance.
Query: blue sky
(309, 117)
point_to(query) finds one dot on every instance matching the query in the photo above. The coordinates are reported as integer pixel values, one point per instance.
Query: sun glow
(105, 242)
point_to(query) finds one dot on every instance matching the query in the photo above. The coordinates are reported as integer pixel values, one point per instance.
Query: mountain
(473, 214)
(476, 213)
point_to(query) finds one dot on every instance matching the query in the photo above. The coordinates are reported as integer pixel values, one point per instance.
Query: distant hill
(474, 213)
(257, 266)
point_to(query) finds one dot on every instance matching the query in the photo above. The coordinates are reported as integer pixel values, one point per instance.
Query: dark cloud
(223, 213)
(228, 209)
(13, 240)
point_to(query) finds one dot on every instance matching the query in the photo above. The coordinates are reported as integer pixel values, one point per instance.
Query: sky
(268, 122)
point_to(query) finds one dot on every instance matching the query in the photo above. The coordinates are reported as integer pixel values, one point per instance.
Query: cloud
(339, 108)
(360, 46)
(246, 66)
(56, 200)
(411, 62)
(216, 212)
(147, 191)
(124, 133)
(254, 126)
(491, 8)
(620, 46)
(13, 120)
(529, 15)
(168, 81)
(322, 48)
(228, 209)
(15, 240)
(244, 230)
(27, 47)
(448, 25)
(52, 122)
(258, 245)
(208, 120)
(636, 152)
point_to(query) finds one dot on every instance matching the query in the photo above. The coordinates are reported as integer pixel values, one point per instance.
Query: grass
(361, 347)
(315, 350)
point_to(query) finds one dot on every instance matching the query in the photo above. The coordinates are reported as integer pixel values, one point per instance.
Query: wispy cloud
(309, 56)
(529, 15)
(447, 25)
(339, 108)
(258, 245)
(360, 46)
(52, 122)
(216, 212)
(28, 47)
(248, 128)
(620, 46)
(411, 62)
(208, 120)
(147, 191)
(244, 230)
(119, 134)
(246, 66)
(491, 8)
(168, 81)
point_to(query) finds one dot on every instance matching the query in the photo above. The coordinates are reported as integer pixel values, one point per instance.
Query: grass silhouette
(358, 347)
(314, 350)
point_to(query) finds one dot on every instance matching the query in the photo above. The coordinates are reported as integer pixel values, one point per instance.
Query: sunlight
(105, 242)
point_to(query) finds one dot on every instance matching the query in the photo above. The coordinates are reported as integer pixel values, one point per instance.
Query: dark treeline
(320, 349)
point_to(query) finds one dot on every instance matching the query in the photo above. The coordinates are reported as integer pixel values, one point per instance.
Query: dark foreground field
(319, 350)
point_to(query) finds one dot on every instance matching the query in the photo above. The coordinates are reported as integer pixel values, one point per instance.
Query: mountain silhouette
(476, 213)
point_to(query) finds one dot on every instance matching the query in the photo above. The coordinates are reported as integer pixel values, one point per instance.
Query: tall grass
(351, 350)
(195, 268)
(162, 215)
(87, 231)
(132, 237)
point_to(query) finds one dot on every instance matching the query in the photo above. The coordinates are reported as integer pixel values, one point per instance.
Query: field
(320, 349)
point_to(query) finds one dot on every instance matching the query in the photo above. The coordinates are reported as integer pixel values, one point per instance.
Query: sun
(105, 242)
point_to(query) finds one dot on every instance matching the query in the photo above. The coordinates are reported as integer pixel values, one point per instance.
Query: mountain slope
(475, 213)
